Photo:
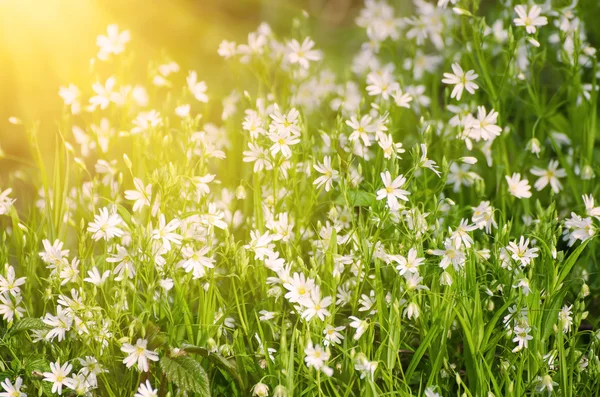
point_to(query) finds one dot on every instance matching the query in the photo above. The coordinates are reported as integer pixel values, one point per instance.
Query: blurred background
(48, 43)
(45, 44)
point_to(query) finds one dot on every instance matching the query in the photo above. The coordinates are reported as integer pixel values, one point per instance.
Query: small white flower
(530, 19)
(139, 354)
(462, 81)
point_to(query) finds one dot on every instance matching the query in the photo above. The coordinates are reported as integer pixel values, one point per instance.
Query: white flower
(362, 129)
(521, 337)
(410, 264)
(316, 357)
(11, 390)
(518, 187)
(196, 261)
(549, 176)
(198, 89)
(381, 83)
(11, 284)
(113, 43)
(95, 277)
(282, 140)
(402, 99)
(303, 53)
(521, 251)
(146, 390)
(483, 216)
(564, 318)
(105, 225)
(462, 81)
(545, 383)
(451, 255)
(299, 288)
(165, 232)
(329, 174)
(333, 335)
(260, 390)
(104, 94)
(361, 326)
(530, 19)
(58, 376)
(392, 190)
(316, 306)
(138, 353)
(141, 195)
(70, 96)
(412, 311)
(483, 127)
(61, 323)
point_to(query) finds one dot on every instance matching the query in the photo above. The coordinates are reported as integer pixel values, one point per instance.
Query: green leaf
(228, 365)
(27, 324)
(357, 198)
(186, 373)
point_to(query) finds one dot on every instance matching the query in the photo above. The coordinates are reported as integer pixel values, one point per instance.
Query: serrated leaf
(217, 359)
(186, 373)
(27, 324)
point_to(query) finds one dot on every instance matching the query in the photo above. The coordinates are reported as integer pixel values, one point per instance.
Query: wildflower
(484, 126)
(316, 306)
(365, 367)
(141, 195)
(409, 264)
(392, 190)
(518, 187)
(426, 162)
(461, 236)
(483, 216)
(104, 94)
(412, 311)
(329, 174)
(113, 43)
(402, 99)
(11, 390)
(299, 288)
(138, 353)
(303, 54)
(282, 140)
(165, 232)
(146, 121)
(564, 318)
(95, 277)
(11, 284)
(521, 338)
(531, 18)
(196, 261)
(61, 323)
(58, 376)
(333, 335)
(381, 84)
(549, 176)
(146, 390)
(361, 326)
(590, 210)
(545, 383)
(316, 357)
(198, 89)
(362, 129)
(70, 96)
(521, 251)
(105, 225)
(260, 390)
(462, 81)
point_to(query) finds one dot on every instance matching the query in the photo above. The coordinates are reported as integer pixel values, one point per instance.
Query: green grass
(227, 273)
